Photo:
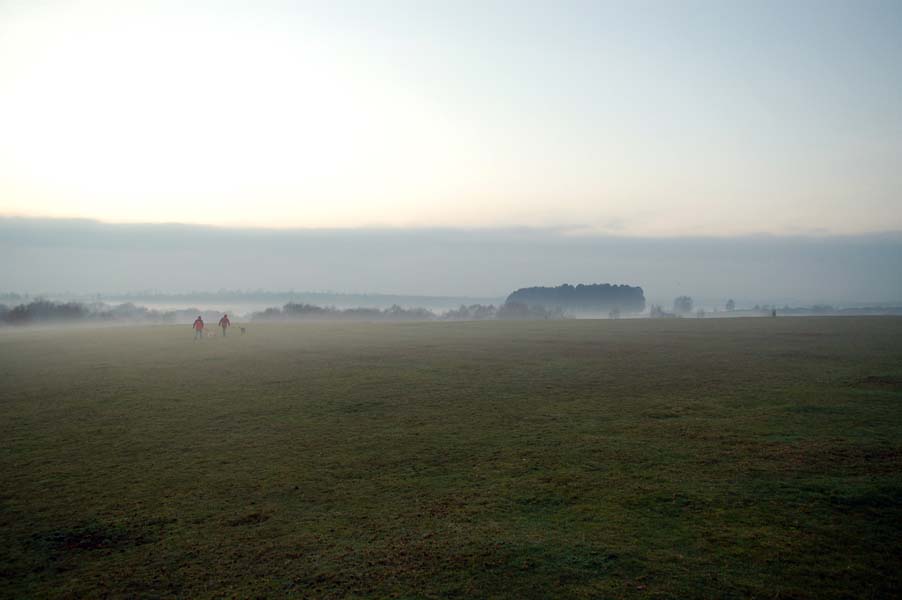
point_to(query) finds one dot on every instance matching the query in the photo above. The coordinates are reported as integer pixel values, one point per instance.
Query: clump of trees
(48, 311)
(682, 305)
(520, 311)
(657, 312)
(599, 297)
(44, 310)
(474, 312)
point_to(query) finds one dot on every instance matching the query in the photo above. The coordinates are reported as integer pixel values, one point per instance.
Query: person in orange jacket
(225, 324)
(198, 328)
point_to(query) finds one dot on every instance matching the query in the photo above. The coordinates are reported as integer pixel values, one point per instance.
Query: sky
(644, 120)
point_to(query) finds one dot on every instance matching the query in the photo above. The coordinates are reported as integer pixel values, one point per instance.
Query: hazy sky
(639, 118)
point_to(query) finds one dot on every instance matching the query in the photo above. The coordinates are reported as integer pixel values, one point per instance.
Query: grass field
(588, 459)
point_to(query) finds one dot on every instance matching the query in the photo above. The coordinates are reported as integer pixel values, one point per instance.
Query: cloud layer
(80, 256)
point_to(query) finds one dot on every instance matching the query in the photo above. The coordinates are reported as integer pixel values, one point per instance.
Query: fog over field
(642, 458)
(464, 299)
(85, 257)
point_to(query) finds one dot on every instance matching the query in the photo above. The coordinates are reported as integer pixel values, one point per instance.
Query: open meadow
(670, 458)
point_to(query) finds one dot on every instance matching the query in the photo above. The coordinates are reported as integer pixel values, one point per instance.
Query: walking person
(198, 328)
(225, 324)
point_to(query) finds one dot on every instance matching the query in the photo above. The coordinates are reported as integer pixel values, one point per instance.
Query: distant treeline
(474, 312)
(292, 311)
(599, 297)
(262, 298)
(48, 311)
(43, 310)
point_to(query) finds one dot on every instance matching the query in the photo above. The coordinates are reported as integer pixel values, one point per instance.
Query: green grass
(724, 458)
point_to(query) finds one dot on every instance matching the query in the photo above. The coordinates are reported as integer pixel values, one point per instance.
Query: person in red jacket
(225, 324)
(198, 328)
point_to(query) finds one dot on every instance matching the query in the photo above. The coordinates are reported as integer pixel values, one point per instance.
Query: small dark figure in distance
(198, 328)
(243, 330)
(773, 313)
(225, 324)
